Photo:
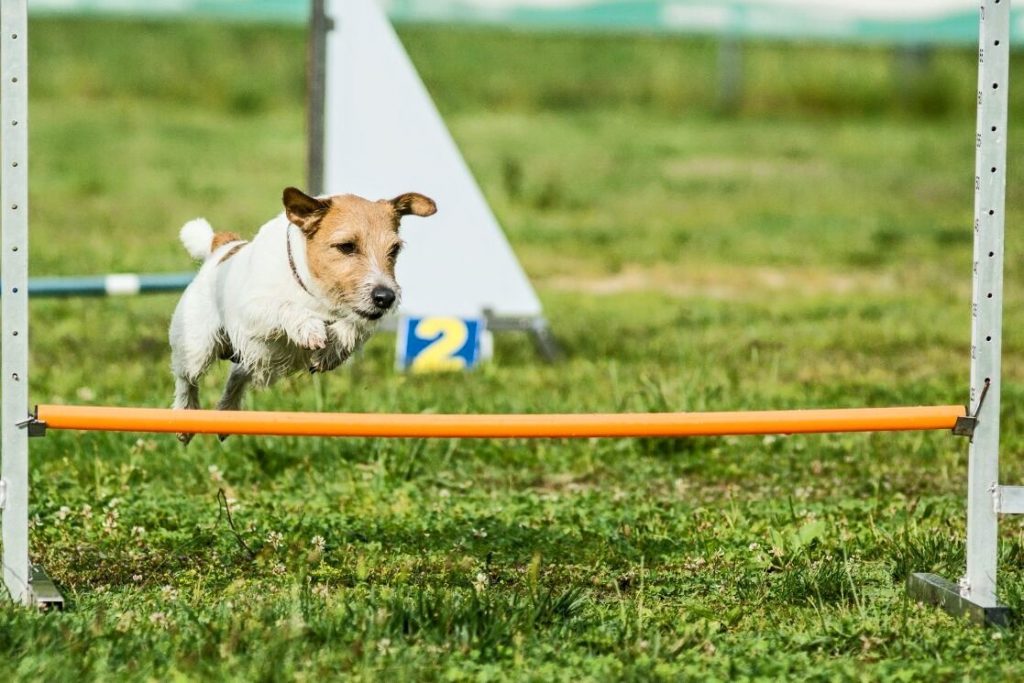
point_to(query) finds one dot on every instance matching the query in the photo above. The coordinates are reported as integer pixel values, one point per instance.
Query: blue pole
(118, 284)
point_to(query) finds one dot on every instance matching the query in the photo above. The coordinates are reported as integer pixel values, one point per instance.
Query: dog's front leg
(295, 322)
(309, 333)
(338, 349)
(328, 359)
(263, 318)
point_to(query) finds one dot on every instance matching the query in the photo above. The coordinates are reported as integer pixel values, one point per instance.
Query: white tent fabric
(383, 136)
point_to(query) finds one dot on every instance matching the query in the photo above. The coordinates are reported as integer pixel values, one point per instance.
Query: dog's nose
(383, 297)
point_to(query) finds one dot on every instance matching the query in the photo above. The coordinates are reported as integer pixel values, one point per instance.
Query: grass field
(810, 250)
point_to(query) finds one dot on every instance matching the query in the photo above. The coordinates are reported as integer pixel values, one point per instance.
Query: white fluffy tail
(197, 236)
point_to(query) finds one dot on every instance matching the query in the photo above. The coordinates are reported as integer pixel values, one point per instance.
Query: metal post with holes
(975, 594)
(14, 264)
(316, 74)
(26, 584)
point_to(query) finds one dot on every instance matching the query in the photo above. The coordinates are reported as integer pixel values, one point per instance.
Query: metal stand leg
(935, 590)
(544, 340)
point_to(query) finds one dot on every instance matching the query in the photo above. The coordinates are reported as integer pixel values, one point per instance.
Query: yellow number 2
(437, 357)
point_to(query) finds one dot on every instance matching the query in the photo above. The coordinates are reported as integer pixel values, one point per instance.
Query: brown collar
(291, 260)
(295, 271)
(231, 252)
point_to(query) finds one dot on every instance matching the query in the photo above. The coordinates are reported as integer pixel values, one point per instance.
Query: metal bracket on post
(1009, 500)
(34, 425)
(966, 425)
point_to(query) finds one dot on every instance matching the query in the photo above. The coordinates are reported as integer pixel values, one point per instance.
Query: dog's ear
(414, 203)
(303, 210)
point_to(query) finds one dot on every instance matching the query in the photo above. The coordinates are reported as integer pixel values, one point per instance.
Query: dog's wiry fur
(272, 316)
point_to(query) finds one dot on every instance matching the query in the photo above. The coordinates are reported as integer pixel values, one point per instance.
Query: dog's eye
(347, 248)
(395, 250)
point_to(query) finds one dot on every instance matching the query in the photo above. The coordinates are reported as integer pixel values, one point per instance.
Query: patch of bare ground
(724, 282)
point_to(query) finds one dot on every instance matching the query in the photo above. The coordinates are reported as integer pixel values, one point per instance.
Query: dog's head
(352, 245)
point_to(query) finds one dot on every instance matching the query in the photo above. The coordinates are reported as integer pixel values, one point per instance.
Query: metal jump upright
(27, 584)
(975, 593)
(14, 213)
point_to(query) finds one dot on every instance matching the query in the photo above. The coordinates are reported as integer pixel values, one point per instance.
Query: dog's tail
(197, 236)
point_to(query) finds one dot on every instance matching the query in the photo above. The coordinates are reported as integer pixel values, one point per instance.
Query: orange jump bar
(582, 425)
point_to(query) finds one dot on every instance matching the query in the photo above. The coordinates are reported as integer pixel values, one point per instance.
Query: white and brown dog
(304, 294)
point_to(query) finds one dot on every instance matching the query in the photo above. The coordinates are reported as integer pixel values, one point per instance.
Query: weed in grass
(931, 550)
(822, 581)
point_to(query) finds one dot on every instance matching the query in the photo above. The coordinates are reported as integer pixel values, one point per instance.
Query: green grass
(811, 249)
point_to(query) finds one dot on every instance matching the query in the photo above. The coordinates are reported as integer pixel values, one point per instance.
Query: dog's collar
(291, 261)
(295, 270)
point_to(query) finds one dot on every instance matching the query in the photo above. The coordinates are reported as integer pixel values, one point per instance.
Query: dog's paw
(326, 360)
(184, 438)
(312, 334)
(322, 365)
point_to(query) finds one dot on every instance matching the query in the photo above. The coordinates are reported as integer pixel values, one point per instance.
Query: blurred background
(702, 116)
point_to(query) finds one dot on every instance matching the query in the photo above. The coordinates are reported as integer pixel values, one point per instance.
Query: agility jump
(974, 594)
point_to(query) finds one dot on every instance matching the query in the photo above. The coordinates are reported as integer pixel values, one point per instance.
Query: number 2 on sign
(439, 354)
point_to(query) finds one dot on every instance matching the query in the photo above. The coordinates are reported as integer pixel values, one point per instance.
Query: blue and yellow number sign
(439, 344)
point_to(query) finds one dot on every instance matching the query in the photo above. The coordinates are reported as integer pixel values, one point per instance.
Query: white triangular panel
(383, 136)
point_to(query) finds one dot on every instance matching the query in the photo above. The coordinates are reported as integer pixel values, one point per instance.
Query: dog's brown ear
(414, 203)
(303, 210)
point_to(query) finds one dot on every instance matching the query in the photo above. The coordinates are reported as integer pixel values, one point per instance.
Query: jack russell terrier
(304, 294)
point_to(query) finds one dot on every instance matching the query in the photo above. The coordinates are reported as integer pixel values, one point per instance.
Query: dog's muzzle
(383, 297)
